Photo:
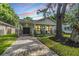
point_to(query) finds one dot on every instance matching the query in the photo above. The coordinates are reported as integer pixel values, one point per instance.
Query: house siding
(66, 29)
(5, 29)
(43, 23)
(13, 30)
(43, 29)
(2, 30)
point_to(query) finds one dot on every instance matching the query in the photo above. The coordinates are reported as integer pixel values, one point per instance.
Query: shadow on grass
(66, 41)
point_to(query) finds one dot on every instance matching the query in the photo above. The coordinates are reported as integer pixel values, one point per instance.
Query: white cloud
(37, 18)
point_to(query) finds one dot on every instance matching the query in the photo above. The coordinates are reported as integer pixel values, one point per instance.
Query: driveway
(28, 46)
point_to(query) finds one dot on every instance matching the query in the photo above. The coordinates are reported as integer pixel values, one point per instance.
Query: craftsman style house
(6, 28)
(32, 27)
(41, 26)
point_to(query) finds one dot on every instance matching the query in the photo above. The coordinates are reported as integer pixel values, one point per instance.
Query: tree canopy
(27, 18)
(7, 14)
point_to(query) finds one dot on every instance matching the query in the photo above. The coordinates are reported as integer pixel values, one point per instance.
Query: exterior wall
(54, 29)
(6, 30)
(32, 30)
(2, 30)
(43, 29)
(13, 30)
(66, 29)
(10, 30)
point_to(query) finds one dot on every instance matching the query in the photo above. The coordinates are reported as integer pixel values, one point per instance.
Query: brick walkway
(28, 46)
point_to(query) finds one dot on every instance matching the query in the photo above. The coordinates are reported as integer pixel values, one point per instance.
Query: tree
(43, 11)
(61, 8)
(75, 31)
(27, 18)
(59, 17)
(27, 21)
(7, 15)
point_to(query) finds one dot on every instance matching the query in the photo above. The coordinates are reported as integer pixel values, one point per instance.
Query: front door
(26, 30)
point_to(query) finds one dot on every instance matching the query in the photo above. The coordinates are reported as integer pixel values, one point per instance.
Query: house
(66, 28)
(33, 27)
(6, 28)
(42, 26)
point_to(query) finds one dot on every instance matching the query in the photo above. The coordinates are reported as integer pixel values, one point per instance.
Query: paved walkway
(28, 46)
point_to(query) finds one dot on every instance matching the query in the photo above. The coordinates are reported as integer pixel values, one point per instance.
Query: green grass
(5, 42)
(66, 35)
(59, 48)
(9, 35)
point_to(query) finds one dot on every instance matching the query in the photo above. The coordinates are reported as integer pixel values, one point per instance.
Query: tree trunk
(60, 16)
(58, 24)
(75, 34)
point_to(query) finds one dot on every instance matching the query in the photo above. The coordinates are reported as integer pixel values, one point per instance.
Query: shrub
(9, 35)
(68, 35)
(59, 48)
(40, 35)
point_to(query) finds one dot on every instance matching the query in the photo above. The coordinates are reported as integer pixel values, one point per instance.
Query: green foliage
(43, 11)
(71, 17)
(9, 35)
(59, 48)
(8, 15)
(68, 35)
(28, 18)
(5, 42)
(53, 18)
(46, 41)
(40, 35)
(68, 19)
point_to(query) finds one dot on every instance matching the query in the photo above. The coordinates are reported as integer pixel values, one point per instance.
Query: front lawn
(60, 49)
(66, 35)
(6, 41)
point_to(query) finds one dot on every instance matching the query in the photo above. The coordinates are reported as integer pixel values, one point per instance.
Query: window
(48, 28)
(37, 27)
(67, 28)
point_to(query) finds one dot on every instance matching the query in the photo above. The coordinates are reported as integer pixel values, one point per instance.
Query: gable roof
(46, 21)
(22, 21)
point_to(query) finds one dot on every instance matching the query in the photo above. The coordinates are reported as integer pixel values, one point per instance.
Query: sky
(28, 9)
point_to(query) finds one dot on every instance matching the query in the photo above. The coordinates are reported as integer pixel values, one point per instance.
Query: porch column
(32, 30)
